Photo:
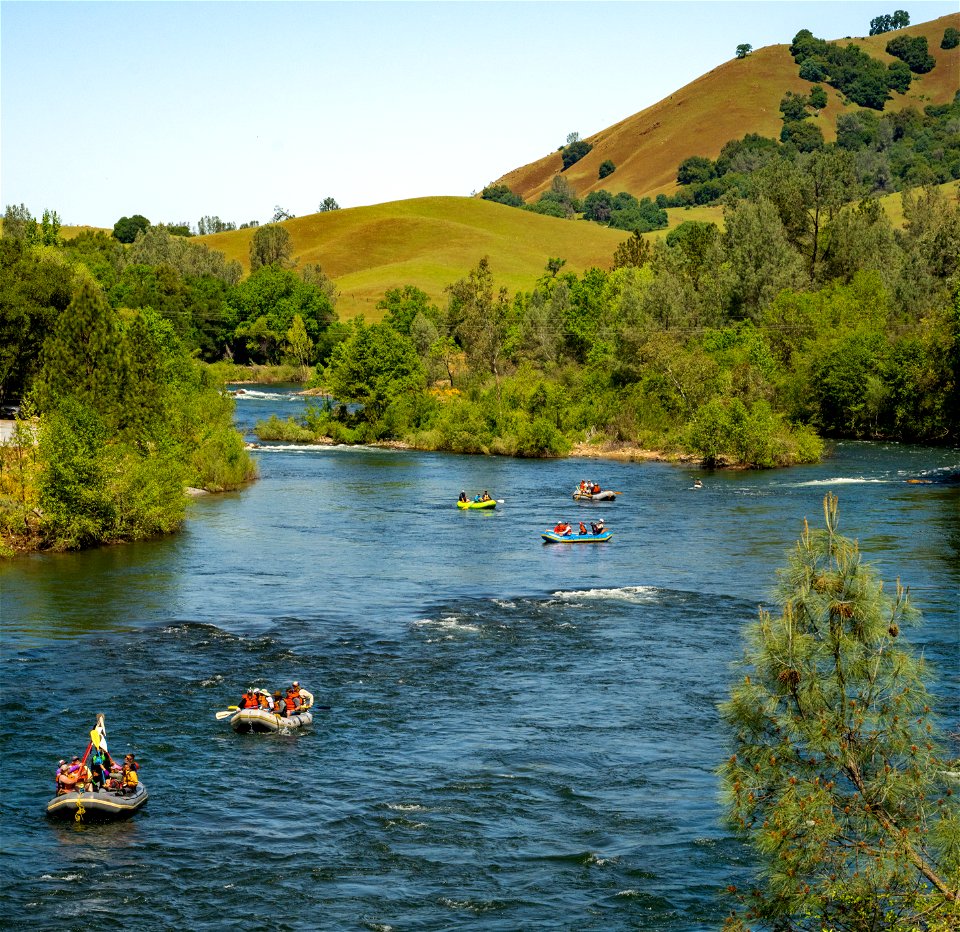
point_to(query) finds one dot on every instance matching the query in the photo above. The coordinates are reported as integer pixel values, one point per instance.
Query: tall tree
(270, 245)
(83, 356)
(836, 777)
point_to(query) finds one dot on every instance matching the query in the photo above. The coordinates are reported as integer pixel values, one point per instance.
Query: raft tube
(605, 496)
(489, 503)
(260, 721)
(100, 806)
(552, 537)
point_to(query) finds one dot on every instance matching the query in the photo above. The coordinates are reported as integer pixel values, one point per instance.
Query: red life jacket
(250, 701)
(291, 704)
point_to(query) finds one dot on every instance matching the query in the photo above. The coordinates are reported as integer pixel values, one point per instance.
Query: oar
(230, 710)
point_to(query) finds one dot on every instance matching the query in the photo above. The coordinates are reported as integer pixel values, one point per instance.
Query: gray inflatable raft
(101, 806)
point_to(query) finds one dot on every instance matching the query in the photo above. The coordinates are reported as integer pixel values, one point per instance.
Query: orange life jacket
(250, 701)
(583, 529)
(290, 702)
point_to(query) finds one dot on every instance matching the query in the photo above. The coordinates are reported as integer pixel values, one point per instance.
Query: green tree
(270, 245)
(299, 344)
(402, 305)
(374, 367)
(695, 169)
(574, 151)
(607, 167)
(912, 50)
(127, 228)
(818, 97)
(951, 38)
(836, 776)
(478, 312)
(328, 203)
(633, 252)
(83, 358)
(744, 49)
(501, 194)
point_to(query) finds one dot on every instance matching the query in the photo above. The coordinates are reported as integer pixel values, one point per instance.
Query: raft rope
(80, 810)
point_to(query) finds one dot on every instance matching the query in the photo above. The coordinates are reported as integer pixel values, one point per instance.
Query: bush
(912, 50)
(288, 431)
(501, 194)
(951, 38)
(221, 461)
(574, 152)
(606, 168)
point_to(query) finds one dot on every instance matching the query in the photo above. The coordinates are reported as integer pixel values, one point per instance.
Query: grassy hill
(738, 97)
(430, 242)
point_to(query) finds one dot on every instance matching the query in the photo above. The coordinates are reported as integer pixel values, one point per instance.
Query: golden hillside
(430, 242)
(738, 97)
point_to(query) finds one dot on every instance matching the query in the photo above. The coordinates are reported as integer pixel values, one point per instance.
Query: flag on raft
(98, 735)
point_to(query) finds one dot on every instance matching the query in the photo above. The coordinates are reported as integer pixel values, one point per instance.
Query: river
(520, 736)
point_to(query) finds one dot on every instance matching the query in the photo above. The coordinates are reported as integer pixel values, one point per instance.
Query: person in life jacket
(249, 700)
(291, 703)
(100, 764)
(266, 700)
(130, 779)
(583, 528)
(463, 495)
(131, 761)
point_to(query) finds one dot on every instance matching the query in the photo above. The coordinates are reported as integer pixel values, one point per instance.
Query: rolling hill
(738, 97)
(430, 242)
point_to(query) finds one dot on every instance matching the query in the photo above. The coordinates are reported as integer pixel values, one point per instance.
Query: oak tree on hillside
(744, 49)
(270, 245)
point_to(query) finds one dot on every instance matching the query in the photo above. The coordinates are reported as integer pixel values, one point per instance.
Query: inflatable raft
(604, 496)
(489, 503)
(552, 537)
(260, 721)
(101, 806)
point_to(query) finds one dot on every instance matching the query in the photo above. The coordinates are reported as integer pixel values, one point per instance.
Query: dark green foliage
(793, 107)
(623, 211)
(805, 137)
(818, 97)
(327, 204)
(887, 22)
(501, 194)
(951, 38)
(849, 69)
(572, 153)
(34, 291)
(83, 357)
(695, 169)
(744, 49)
(127, 228)
(913, 51)
(606, 168)
(812, 69)
(899, 77)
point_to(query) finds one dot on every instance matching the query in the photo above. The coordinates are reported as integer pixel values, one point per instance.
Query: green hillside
(429, 242)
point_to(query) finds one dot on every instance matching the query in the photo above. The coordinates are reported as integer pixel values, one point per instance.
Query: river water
(521, 736)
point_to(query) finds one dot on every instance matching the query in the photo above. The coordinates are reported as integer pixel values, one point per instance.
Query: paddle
(230, 710)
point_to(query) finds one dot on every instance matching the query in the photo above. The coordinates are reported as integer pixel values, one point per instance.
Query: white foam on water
(252, 393)
(316, 448)
(64, 879)
(635, 594)
(449, 623)
(840, 480)
(404, 807)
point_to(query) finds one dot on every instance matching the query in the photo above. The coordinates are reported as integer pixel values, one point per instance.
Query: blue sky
(178, 110)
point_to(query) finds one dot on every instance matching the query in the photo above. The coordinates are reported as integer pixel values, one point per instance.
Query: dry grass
(738, 97)
(430, 242)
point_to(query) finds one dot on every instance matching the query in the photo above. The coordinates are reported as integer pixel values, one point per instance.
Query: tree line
(804, 317)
